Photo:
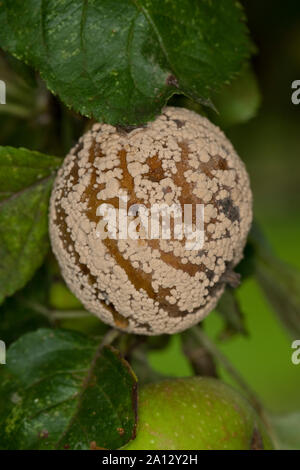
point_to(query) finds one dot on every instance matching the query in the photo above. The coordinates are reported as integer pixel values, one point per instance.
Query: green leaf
(26, 179)
(61, 390)
(120, 60)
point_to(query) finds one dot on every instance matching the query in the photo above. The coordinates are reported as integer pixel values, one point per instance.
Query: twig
(69, 314)
(109, 337)
(54, 315)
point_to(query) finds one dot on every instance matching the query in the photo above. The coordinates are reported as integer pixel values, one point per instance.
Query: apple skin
(196, 413)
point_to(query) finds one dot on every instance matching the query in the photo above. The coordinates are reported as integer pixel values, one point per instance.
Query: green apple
(61, 298)
(196, 413)
(239, 101)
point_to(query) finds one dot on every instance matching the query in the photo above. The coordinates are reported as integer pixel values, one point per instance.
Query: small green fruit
(196, 413)
(61, 298)
(238, 102)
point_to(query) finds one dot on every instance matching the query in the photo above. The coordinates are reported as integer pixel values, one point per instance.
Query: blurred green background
(258, 116)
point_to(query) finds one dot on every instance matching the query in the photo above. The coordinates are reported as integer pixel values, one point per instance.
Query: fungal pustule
(142, 284)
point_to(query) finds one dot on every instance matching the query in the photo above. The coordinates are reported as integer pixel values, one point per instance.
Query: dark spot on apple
(179, 123)
(231, 211)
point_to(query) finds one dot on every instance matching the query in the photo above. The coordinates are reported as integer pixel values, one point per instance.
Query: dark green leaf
(61, 390)
(25, 180)
(120, 60)
(21, 168)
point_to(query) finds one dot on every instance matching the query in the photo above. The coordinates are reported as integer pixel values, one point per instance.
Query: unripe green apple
(61, 298)
(239, 101)
(196, 413)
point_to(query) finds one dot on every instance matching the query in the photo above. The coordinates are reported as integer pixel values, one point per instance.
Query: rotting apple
(133, 270)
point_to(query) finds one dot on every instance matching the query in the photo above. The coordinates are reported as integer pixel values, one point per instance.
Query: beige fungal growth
(145, 285)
